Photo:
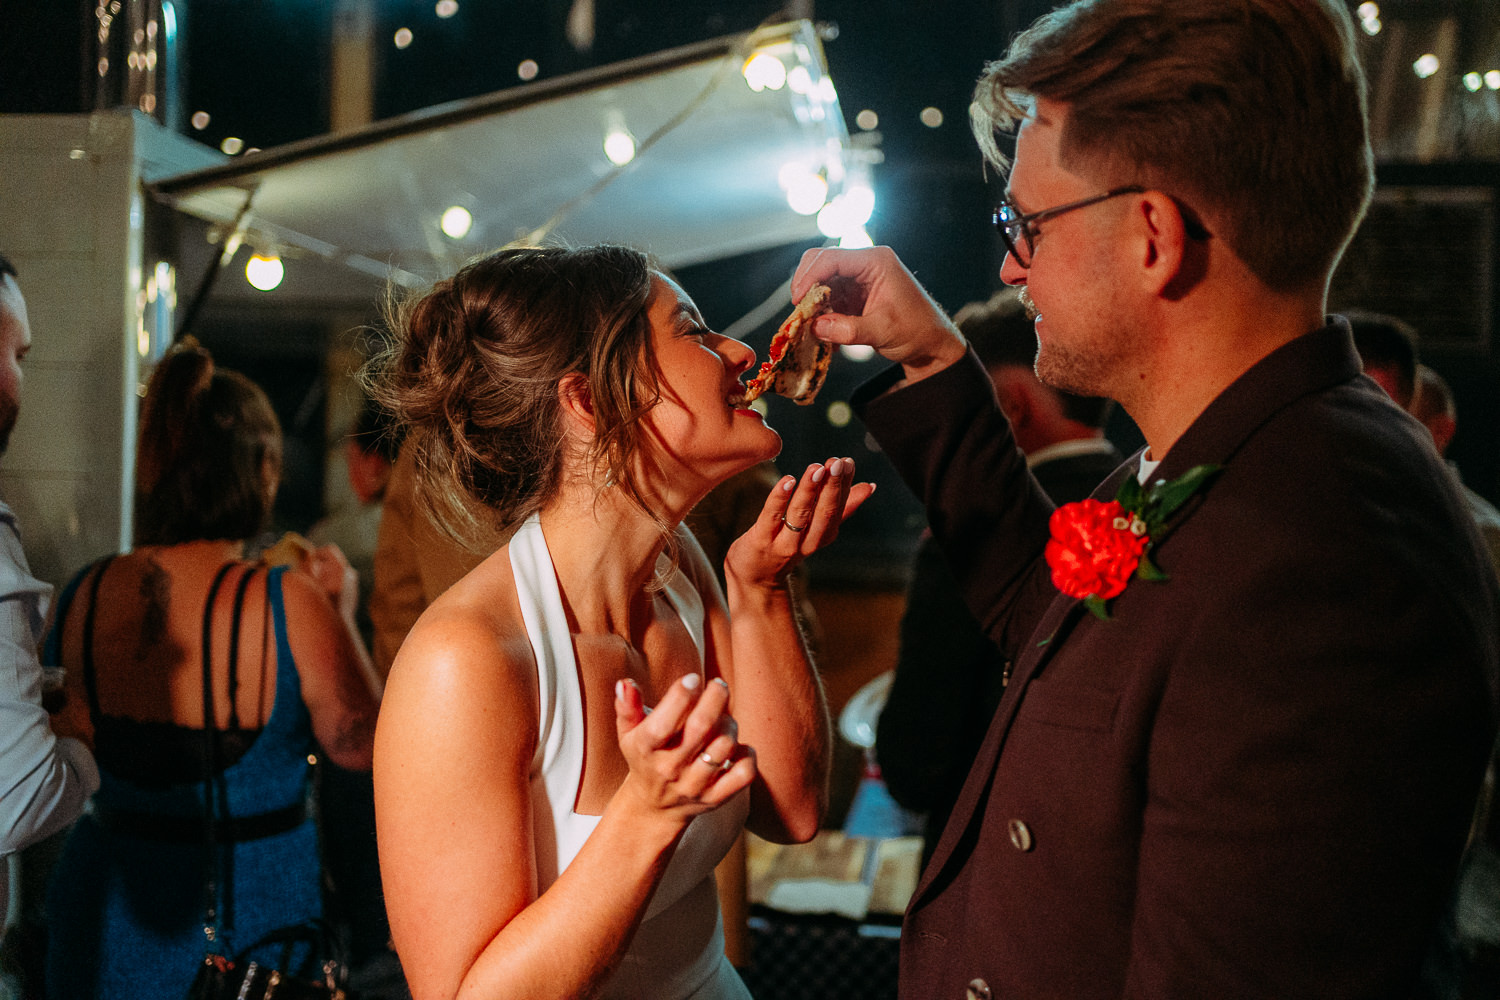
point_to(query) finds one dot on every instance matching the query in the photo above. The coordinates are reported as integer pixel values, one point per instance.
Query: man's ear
(577, 403)
(1171, 261)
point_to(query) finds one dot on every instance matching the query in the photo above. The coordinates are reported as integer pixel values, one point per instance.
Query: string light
(264, 271)
(764, 71)
(456, 222)
(619, 146)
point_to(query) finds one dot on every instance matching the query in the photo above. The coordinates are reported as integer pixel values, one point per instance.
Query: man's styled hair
(1250, 112)
(1001, 333)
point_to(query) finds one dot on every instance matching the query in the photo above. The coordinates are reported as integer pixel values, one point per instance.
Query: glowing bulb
(200, 120)
(1472, 82)
(447, 8)
(805, 192)
(844, 217)
(456, 222)
(800, 80)
(764, 71)
(1425, 66)
(619, 146)
(264, 271)
(403, 37)
(232, 145)
(867, 120)
(840, 414)
(1492, 79)
(528, 69)
(859, 203)
(931, 117)
(856, 240)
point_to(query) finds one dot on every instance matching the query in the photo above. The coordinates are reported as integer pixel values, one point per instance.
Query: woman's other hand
(798, 519)
(684, 755)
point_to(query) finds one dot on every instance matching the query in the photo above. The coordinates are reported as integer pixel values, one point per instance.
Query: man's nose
(1011, 272)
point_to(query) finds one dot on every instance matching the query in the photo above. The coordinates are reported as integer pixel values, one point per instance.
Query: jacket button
(979, 990)
(1020, 835)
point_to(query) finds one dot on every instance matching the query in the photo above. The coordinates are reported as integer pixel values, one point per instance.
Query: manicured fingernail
(818, 474)
(620, 690)
(788, 484)
(722, 681)
(836, 467)
(691, 681)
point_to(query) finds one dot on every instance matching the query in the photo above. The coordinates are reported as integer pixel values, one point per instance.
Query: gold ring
(792, 527)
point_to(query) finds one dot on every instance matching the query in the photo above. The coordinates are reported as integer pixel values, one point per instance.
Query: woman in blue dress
(288, 677)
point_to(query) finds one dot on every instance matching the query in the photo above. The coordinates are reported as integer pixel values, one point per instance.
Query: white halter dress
(678, 950)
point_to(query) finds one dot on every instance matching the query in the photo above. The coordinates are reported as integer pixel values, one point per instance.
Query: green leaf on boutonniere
(1165, 497)
(1131, 494)
(1095, 603)
(1148, 570)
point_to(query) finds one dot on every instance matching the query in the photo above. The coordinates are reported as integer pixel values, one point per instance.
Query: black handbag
(322, 973)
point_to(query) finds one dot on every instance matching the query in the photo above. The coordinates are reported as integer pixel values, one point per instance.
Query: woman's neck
(219, 550)
(604, 550)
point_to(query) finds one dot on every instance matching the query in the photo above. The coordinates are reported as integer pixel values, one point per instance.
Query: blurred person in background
(288, 678)
(1466, 962)
(346, 799)
(369, 451)
(44, 780)
(949, 675)
(1387, 349)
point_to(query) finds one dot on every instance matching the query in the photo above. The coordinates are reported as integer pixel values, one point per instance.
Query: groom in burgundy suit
(1254, 676)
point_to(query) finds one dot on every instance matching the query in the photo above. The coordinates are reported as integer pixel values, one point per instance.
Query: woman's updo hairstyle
(473, 375)
(209, 455)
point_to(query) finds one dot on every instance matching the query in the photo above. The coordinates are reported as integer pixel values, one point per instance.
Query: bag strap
(211, 790)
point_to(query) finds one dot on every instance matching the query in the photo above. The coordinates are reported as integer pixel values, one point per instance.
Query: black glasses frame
(1016, 229)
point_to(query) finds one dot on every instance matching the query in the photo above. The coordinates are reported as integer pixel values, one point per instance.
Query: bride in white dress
(573, 735)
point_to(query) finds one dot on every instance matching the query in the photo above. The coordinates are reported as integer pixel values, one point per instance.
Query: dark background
(261, 68)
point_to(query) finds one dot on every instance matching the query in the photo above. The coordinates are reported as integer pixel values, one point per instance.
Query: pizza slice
(798, 361)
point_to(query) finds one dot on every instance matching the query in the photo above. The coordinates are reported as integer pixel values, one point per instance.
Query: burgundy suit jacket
(1255, 779)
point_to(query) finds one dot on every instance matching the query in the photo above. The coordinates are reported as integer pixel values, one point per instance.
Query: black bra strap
(90, 677)
(234, 649)
(211, 737)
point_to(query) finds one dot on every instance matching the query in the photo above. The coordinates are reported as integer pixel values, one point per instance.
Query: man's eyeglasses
(1019, 231)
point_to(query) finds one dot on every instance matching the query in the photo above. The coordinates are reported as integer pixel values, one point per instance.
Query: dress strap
(90, 684)
(234, 648)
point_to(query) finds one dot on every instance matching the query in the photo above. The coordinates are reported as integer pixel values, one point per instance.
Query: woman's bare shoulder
(471, 641)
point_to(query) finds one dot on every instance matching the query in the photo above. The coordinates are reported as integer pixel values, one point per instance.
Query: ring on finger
(708, 759)
(792, 527)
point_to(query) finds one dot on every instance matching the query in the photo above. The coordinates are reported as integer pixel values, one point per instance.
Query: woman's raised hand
(327, 565)
(684, 754)
(799, 518)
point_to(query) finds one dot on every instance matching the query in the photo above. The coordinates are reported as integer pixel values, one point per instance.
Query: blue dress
(125, 914)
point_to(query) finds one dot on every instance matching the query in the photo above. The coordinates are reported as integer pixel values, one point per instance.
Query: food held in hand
(291, 550)
(798, 361)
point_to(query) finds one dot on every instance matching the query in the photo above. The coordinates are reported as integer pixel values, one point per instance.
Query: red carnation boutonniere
(1098, 545)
